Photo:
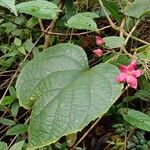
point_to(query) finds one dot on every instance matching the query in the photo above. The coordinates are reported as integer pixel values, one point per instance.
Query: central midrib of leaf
(61, 89)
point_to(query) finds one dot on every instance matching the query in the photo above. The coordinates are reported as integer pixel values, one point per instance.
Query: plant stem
(131, 32)
(107, 16)
(118, 29)
(52, 26)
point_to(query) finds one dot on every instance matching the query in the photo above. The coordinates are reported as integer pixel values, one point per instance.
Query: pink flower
(98, 52)
(99, 40)
(129, 75)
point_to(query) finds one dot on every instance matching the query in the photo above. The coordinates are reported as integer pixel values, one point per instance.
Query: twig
(56, 33)
(9, 71)
(132, 30)
(77, 34)
(121, 35)
(41, 25)
(127, 138)
(135, 38)
(122, 27)
(107, 16)
(52, 26)
(94, 124)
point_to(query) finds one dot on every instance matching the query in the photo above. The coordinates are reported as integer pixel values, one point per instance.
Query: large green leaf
(137, 119)
(66, 93)
(58, 113)
(83, 21)
(40, 9)
(10, 4)
(137, 8)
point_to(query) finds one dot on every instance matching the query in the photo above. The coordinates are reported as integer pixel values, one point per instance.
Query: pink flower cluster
(129, 74)
(99, 41)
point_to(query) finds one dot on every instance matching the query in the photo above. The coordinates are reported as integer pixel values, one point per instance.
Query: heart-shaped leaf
(40, 9)
(67, 94)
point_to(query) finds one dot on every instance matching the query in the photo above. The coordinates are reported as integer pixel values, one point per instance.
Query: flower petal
(98, 52)
(137, 73)
(99, 40)
(121, 77)
(132, 65)
(123, 68)
(133, 86)
(132, 81)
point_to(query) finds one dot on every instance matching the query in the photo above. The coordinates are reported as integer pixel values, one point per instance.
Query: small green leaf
(12, 91)
(32, 22)
(28, 45)
(138, 119)
(7, 100)
(10, 4)
(40, 9)
(137, 8)
(21, 49)
(18, 129)
(3, 146)
(113, 9)
(114, 41)
(81, 21)
(143, 95)
(144, 52)
(7, 122)
(121, 59)
(70, 8)
(15, 108)
(17, 42)
(17, 146)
